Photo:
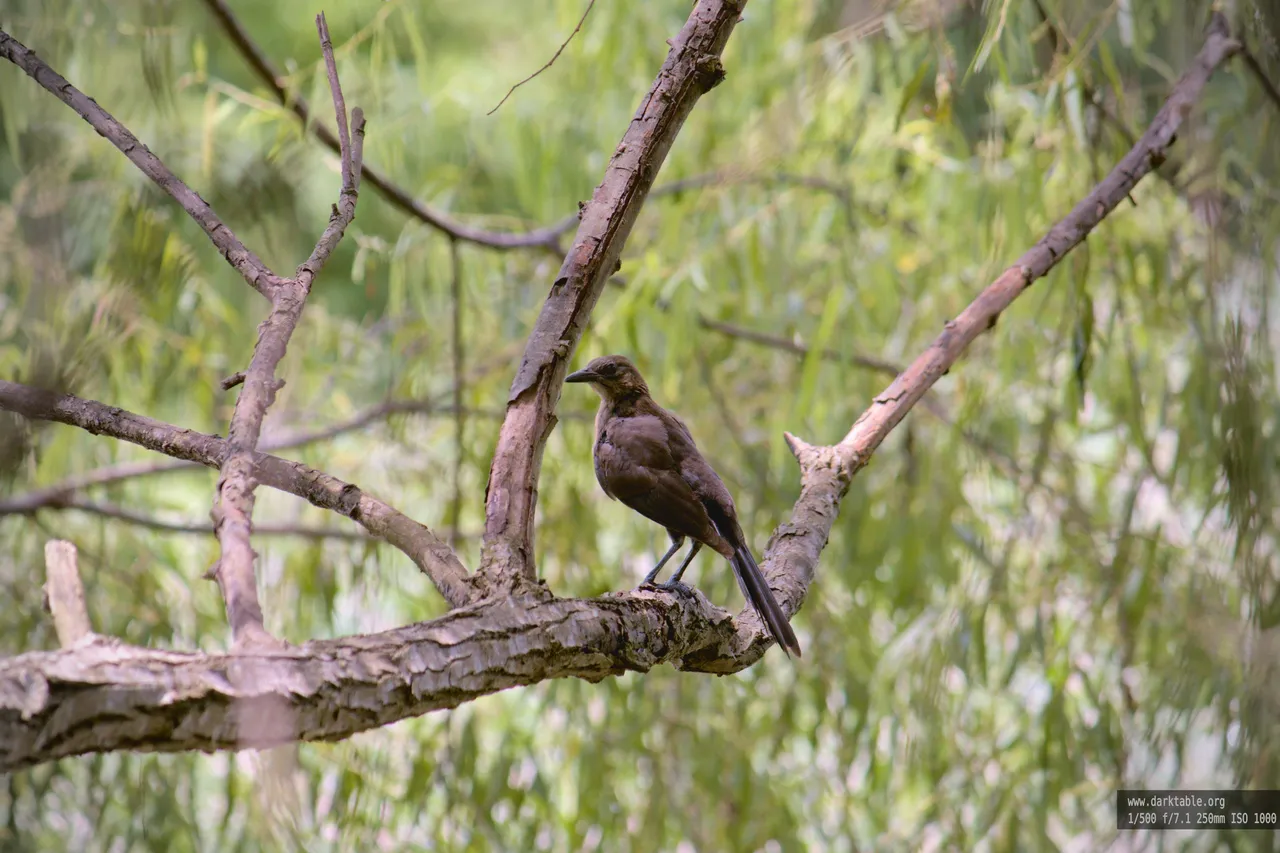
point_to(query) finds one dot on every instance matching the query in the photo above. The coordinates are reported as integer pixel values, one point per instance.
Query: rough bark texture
(233, 502)
(428, 552)
(110, 696)
(107, 696)
(692, 68)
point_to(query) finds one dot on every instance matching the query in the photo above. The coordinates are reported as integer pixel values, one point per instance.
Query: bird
(646, 458)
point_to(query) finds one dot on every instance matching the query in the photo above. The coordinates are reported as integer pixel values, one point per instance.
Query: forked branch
(691, 69)
(233, 504)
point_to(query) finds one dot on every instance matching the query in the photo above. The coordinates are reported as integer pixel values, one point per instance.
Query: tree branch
(543, 238)
(65, 594)
(826, 472)
(692, 68)
(729, 330)
(552, 61)
(245, 262)
(106, 697)
(429, 553)
(111, 696)
(233, 505)
(59, 492)
(118, 513)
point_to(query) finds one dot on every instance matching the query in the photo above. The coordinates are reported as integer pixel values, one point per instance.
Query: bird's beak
(583, 375)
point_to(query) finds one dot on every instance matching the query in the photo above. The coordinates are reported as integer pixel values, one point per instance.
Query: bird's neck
(626, 405)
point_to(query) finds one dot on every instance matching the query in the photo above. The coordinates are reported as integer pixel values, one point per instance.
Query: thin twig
(233, 504)
(118, 513)
(550, 61)
(248, 264)
(459, 414)
(65, 594)
(427, 551)
(796, 347)
(1267, 86)
(339, 104)
(52, 495)
(547, 239)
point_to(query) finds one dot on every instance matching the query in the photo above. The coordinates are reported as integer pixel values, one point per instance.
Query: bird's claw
(676, 586)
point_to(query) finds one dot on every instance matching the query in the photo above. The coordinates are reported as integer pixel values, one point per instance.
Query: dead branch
(692, 68)
(233, 504)
(101, 698)
(118, 513)
(429, 553)
(56, 494)
(245, 262)
(795, 347)
(547, 239)
(65, 594)
(549, 62)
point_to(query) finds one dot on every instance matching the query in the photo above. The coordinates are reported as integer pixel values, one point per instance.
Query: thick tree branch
(233, 505)
(429, 553)
(110, 696)
(692, 68)
(106, 697)
(245, 262)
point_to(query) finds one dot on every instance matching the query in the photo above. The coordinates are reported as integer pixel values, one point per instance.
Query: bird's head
(611, 376)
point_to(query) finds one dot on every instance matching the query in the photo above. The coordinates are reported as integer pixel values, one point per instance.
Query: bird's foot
(674, 585)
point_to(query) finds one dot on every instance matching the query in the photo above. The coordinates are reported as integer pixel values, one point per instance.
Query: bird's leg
(676, 543)
(675, 579)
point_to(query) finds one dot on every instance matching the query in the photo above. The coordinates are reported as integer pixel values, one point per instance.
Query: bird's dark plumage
(646, 458)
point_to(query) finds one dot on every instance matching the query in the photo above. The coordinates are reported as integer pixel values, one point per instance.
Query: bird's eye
(608, 369)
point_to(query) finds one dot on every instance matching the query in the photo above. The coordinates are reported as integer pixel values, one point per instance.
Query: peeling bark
(692, 68)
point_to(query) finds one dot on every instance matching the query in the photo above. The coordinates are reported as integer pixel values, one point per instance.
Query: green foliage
(1066, 586)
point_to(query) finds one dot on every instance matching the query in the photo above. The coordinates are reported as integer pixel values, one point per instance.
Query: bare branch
(59, 492)
(794, 346)
(550, 61)
(65, 594)
(232, 381)
(245, 262)
(547, 239)
(692, 68)
(793, 551)
(1261, 75)
(108, 697)
(95, 699)
(117, 513)
(429, 553)
(233, 504)
(459, 414)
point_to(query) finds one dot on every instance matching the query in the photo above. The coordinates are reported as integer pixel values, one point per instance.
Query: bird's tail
(756, 589)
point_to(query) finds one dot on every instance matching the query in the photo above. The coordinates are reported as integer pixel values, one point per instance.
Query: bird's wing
(703, 480)
(634, 463)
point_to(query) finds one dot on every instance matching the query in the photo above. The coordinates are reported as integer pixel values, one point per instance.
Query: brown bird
(646, 458)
